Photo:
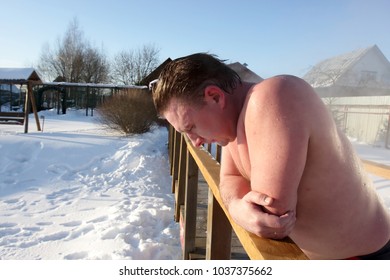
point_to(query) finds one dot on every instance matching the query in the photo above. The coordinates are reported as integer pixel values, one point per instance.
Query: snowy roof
(328, 71)
(93, 85)
(18, 75)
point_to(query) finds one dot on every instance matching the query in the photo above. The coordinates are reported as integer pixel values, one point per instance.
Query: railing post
(218, 154)
(190, 206)
(181, 177)
(171, 138)
(219, 231)
(175, 158)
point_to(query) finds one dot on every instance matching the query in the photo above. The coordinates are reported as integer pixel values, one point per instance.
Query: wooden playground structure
(25, 78)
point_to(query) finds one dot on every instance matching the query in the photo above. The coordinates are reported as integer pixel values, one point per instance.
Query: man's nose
(195, 140)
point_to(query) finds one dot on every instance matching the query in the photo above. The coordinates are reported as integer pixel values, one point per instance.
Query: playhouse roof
(18, 75)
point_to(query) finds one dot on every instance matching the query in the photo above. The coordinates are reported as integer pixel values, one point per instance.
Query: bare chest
(239, 152)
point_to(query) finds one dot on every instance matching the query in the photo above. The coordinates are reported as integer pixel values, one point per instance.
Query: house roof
(245, 74)
(327, 72)
(18, 75)
(155, 73)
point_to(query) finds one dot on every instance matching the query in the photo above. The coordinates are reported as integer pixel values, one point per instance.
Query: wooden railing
(186, 162)
(377, 169)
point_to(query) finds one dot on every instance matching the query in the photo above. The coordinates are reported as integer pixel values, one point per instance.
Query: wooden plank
(12, 114)
(377, 169)
(219, 232)
(26, 110)
(175, 158)
(190, 203)
(33, 105)
(171, 137)
(237, 251)
(256, 247)
(12, 118)
(181, 178)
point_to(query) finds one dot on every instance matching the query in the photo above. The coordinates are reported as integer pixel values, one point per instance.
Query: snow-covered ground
(79, 191)
(379, 155)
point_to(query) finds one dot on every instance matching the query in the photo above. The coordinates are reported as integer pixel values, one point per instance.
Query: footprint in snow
(55, 236)
(76, 256)
(7, 225)
(72, 224)
(98, 220)
(44, 223)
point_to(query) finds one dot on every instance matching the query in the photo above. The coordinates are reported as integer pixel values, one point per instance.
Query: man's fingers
(258, 198)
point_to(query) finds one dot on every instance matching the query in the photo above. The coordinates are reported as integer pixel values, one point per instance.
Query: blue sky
(272, 37)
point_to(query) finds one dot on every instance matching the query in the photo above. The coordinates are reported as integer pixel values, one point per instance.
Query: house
(363, 72)
(245, 73)
(356, 88)
(155, 73)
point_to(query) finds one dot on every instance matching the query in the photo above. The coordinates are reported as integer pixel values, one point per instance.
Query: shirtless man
(286, 169)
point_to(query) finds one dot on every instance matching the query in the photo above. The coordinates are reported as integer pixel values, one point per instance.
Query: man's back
(339, 214)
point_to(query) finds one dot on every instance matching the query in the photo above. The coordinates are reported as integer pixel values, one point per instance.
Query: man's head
(186, 78)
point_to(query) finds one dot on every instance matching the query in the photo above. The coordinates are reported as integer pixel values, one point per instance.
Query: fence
(365, 123)
(62, 95)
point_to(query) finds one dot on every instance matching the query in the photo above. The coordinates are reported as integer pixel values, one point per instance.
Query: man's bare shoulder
(282, 95)
(283, 84)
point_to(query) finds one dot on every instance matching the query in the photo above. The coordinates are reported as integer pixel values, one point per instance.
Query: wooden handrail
(219, 220)
(186, 161)
(377, 169)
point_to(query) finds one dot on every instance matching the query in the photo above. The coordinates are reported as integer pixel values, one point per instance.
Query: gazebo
(22, 77)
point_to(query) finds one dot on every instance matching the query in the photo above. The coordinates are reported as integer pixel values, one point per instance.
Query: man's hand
(248, 213)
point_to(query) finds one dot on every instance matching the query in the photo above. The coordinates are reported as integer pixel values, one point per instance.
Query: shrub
(131, 111)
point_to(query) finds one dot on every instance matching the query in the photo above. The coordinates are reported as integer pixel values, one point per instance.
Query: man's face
(202, 124)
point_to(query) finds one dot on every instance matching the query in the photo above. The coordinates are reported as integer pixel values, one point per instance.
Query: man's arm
(277, 131)
(246, 206)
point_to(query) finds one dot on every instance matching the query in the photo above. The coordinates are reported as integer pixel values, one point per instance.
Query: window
(368, 77)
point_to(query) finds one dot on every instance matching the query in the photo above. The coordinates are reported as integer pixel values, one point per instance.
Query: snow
(80, 191)
(379, 155)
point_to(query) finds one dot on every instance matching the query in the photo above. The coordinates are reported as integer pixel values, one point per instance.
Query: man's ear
(213, 93)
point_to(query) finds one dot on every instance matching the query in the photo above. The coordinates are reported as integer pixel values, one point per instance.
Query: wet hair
(185, 78)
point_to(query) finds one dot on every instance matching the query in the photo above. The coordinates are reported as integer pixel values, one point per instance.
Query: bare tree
(74, 59)
(130, 67)
(96, 67)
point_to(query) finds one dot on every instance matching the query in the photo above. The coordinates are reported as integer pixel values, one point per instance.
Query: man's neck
(240, 93)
